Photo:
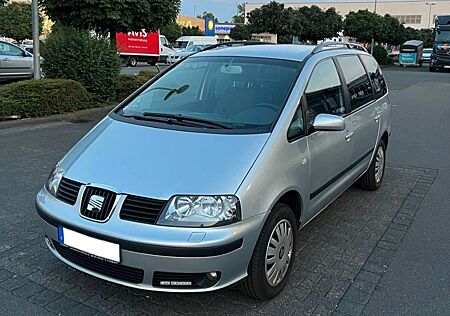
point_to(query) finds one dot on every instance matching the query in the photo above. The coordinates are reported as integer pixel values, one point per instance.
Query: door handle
(5, 59)
(349, 135)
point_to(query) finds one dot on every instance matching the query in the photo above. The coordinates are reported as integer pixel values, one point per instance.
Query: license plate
(89, 245)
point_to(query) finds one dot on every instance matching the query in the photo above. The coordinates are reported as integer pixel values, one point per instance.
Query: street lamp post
(372, 44)
(195, 10)
(36, 53)
(430, 4)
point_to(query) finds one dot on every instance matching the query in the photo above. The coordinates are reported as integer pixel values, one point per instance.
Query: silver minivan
(202, 178)
(15, 62)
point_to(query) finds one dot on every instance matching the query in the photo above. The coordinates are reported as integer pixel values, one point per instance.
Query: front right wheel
(273, 256)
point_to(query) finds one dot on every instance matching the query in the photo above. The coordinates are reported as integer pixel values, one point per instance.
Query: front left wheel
(273, 256)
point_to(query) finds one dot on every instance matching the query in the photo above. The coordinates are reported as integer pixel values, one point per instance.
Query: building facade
(416, 14)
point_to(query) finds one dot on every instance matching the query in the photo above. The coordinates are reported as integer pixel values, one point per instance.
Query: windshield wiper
(182, 118)
(171, 92)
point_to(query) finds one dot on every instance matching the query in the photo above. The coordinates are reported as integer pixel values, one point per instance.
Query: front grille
(96, 210)
(68, 191)
(142, 210)
(114, 270)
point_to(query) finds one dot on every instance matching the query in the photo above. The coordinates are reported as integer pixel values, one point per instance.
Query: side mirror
(329, 122)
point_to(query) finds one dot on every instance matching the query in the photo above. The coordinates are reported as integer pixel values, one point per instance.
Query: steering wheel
(267, 105)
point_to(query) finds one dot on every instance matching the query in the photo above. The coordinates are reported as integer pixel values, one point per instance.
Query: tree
(241, 32)
(392, 31)
(192, 31)
(318, 24)
(111, 16)
(15, 21)
(275, 19)
(363, 26)
(2, 2)
(206, 14)
(239, 18)
(172, 31)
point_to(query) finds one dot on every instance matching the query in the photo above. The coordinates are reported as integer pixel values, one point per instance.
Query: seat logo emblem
(95, 203)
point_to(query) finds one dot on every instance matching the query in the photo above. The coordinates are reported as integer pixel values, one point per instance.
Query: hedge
(129, 83)
(33, 98)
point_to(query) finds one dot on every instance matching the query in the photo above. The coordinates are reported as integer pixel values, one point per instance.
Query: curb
(76, 117)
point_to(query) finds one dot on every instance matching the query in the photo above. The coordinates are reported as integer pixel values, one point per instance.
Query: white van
(187, 41)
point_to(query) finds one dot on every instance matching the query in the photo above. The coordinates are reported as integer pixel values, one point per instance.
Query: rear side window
(358, 83)
(376, 76)
(324, 91)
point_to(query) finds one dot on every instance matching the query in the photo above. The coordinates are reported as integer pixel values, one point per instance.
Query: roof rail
(338, 45)
(236, 43)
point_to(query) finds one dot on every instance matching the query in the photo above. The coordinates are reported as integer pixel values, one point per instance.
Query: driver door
(330, 151)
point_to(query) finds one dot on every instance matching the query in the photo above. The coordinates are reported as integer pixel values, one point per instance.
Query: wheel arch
(385, 138)
(293, 199)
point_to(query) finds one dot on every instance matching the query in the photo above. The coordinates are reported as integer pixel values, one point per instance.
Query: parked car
(394, 53)
(180, 55)
(15, 62)
(426, 56)
(187, 41)
(214, 165)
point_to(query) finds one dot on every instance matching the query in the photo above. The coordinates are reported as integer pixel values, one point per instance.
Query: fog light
(212, 276)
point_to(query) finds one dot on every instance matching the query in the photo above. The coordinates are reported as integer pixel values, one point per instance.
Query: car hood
(158, 163)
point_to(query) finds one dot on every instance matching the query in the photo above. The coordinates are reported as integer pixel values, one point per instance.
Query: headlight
(54, 179)
(201, 211)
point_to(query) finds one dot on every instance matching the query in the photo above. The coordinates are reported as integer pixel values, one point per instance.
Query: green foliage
(239, 18)
(15, 21)
(425, 35)
(392, 31)
(33, 98)
(113, 16)
(207, 14)
(318, 24)
(172, 31)
(363, 26)
(191, 31)
(128, 84)
(308, 23)
(380, 54)
(241, 32)
(77, 55)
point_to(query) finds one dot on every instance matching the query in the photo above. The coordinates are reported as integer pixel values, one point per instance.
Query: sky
(225, 9)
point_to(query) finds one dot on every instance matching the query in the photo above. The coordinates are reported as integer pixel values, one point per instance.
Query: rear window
(358, 83)
(244, 93)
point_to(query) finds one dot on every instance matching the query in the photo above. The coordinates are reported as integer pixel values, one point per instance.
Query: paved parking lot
(346, 256)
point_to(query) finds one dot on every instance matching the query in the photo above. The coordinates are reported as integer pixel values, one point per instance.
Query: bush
(380, 54)
(128, 84)
(78, 55)
(32, 98)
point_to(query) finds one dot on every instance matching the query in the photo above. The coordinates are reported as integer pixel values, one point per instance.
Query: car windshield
(240, 93)
(428, 50)
(194, 48)
(180, 44)
(443, 36)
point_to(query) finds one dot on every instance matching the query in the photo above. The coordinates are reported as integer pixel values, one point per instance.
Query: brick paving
(341, 257)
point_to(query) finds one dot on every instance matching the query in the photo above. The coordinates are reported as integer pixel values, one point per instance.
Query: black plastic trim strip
(326, 185)
(146, 248)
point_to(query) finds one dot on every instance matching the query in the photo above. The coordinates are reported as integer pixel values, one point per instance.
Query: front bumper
(440, 61)
(153, 249)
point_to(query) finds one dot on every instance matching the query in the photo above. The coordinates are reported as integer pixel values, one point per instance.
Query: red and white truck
(149, 47)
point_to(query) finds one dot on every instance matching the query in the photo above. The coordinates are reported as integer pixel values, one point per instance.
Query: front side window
(358, 83)
(236, 93)
(8, 49)
(324, 91)
(376, 76)
(181, 44)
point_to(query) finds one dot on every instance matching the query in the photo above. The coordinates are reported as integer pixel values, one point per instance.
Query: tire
(257, 284)
(132, 61)
(372, 179)
(432, 69)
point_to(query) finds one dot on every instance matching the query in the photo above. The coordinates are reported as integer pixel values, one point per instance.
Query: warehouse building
(416, 14)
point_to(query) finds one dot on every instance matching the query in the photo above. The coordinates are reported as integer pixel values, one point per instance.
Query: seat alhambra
(202, 178)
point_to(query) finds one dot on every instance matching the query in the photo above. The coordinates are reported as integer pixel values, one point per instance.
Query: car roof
(279, 51)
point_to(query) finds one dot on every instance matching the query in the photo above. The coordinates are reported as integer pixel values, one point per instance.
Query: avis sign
(138, 43)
